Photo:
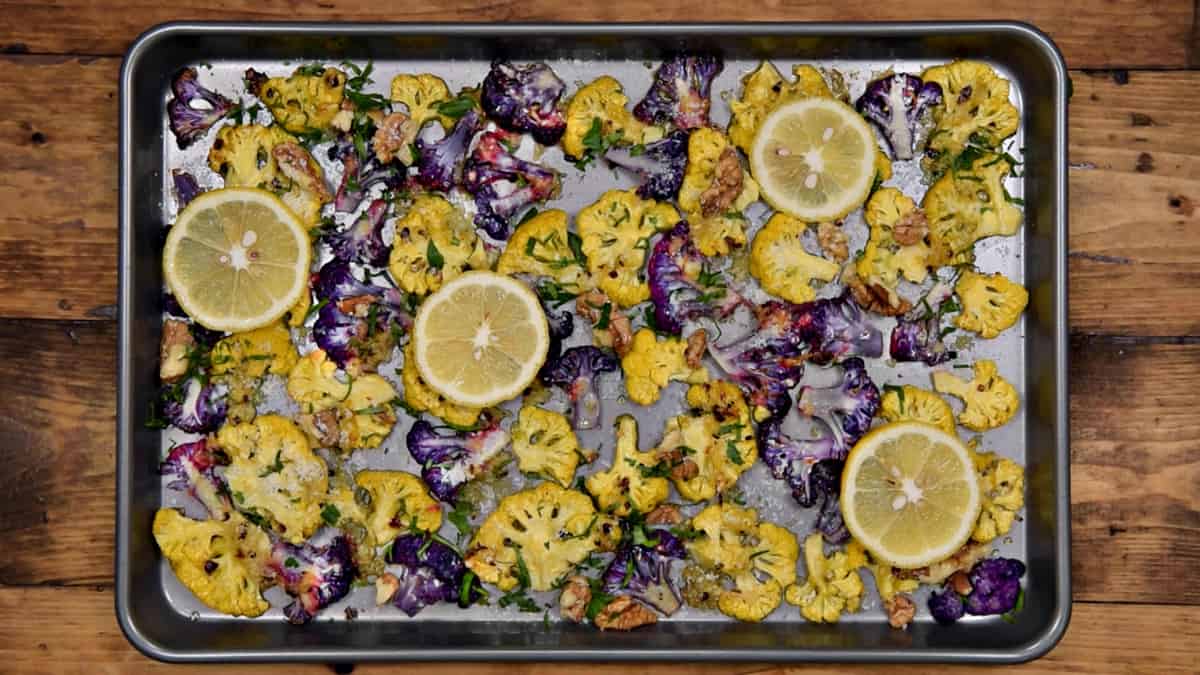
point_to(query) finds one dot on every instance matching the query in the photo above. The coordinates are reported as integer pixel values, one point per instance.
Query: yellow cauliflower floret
(988, 399)
(909, 403)
(434, 243)
(362, 414)
(991, 303)
(305, 101)
(651, 363)
(399, 503)
(975, 110)
(833, 585)
(220, 562)
(275, 474)
(255, 353)
(545, 444)
(963, 207)
(602, 99)
(366, 418)
(762, 91)
(759, 556)
(541, 246)
(1002, 486)
(616, 232)
(421, 94)
(626, 487)
(715, 191)
(313, 383)
(271, 159)
(551, 530)
(782, 266)
(888, 584)
(420, 398)
(885, 260)
(717, 439)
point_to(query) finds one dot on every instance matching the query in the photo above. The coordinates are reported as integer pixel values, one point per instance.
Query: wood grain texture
(82, 636)
(1151, 33)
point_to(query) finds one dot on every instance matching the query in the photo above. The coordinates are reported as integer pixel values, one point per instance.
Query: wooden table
(1134, 298)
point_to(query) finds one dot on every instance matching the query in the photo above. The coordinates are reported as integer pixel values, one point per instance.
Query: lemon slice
(910, 494)
(480, 339)
(237, 259)
(814, 159)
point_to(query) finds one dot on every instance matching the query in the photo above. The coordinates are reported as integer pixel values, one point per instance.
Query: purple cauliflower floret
(438, 161)
(826, 479)
(192, 468)
(660, 165)
(502, 184)
(315, 576)
(917, 336)
(430, 572)
(349, 307)
(836, 328)
(644, 571)
(362, 242)
(562, 325)
(681, 286)
(197, 408)
(193, 110)
(995, 586)
(767, 362)
(576, 371)
(449, 458)
(186, 187)
(680, 92)
(947, 606)
(847, 408)
(360, 174)
(525, 98)
(792, 459)
(901, 106)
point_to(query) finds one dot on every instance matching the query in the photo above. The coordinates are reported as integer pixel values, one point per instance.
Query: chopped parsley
(456, 107)
(436, 261)
(331, 515)
(274, 467)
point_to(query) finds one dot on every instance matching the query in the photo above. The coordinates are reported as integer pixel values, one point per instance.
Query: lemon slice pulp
(237, 259)
(910, 494)
(814, 159)
(480, 339)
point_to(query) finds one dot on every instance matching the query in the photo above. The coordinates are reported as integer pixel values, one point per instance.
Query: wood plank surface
(81, 636)
(1135, 196)
(1125, 32)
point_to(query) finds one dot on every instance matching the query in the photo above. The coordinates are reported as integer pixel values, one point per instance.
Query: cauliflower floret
(269, 158)
(366, 417)
(542, 532)
(220, 562)
(963, 207)
(760, 557)
(616, 232)
(603, 100)
(762, 91)
(714, 193)
(274, 473)
(545, 444)
(1002, 486)
(434, 243)
(256, 352)
(975, 109)
(420, 398)
(421, 95)
(652, 363)
(909, 403)
(347, 415)
(991, 303)
(714, 445)
(782, 266)
(897, 243)
(542, 247)
(626, 486)
(314, 385)
(989, 400)
(304, 102)
(833, 585)
(399, 504)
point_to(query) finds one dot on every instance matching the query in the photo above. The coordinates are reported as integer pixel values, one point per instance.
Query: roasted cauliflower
(420, 398)
(600, 103)
(545, 444)
(356, 413)
(782, 266)
(713, 445)
(909, 403)
(271, 159)
(616, 232)
(833, 585)
(1002, 486)
(715, 191)
(629, 484)
(275, 475)
(434, 243)
(399, 503)
(305, 102)
(255, 353)
(536, 536)
(896, 246)
(652, 363)
(762, 91)
(975, 110)
(988, 399)
(543, 247)
(220, 562)
(421, 95)
(991, 303)
(965, 206)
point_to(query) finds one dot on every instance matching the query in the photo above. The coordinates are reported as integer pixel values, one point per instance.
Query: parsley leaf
(331, 515)
(436, 261)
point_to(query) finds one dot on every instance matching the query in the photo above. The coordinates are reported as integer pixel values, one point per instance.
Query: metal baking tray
(162, 619)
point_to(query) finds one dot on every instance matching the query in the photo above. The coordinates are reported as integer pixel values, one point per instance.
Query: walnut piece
(873, 297)
(386, 585)
(833, 241)
(619, 334)
(665, 514)
(960, 582)
(173, 350)
(325, 423)
(911, 228)
(900, 611)
(573, 602)
(726, 185)
(697, 342)
(625, 613)
(394, 138)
